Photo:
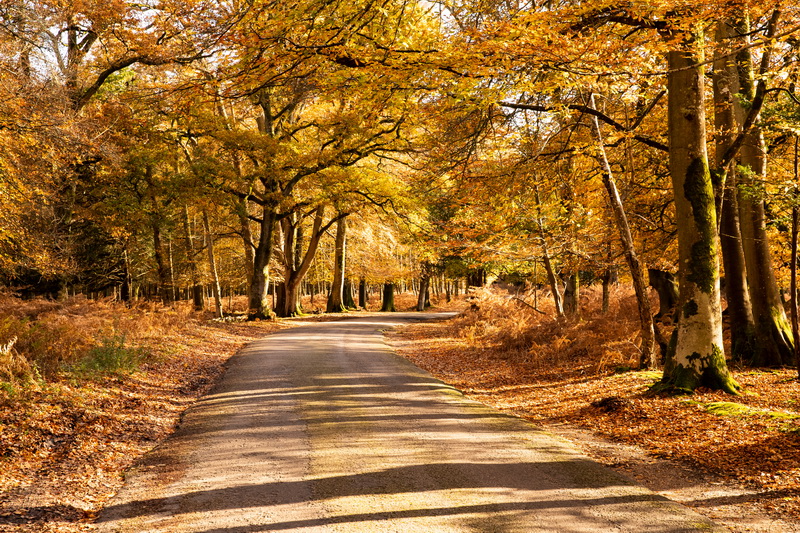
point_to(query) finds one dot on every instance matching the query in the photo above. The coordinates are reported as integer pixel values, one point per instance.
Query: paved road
(323, 428)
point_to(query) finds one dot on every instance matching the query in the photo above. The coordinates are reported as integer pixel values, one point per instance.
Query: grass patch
(111, 356)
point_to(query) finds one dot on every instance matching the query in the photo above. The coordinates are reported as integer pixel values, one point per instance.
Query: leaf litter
(574, 377)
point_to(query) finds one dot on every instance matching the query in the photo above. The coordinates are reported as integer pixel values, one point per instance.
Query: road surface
(323, 428)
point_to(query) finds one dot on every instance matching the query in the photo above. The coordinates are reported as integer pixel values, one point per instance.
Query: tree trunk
(606, 284)
(773, 333)
(795, 217)
(336, 296)
(698, 359)
(572, 295)
(423, 298)
(552, 280)
(362, 292)
(347, 295)
(126, 290)
(212, 265)
(173, 295)
(476, 278)
(387, 304)
(258, 296)
(667, 290)
(297, 261)
(726, 87)
(247, 240)
(648, 353)
(793, 283)
(161, 266)
(197, 289)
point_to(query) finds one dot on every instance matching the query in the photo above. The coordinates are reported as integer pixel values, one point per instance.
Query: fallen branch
(517, 298)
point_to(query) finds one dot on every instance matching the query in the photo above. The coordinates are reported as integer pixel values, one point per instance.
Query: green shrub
(112, 356)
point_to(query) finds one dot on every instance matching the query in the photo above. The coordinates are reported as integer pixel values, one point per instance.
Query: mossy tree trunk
(698, 358)
(774, 342)
(726, 87)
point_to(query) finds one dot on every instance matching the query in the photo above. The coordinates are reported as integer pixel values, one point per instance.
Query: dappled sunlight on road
(323, 428)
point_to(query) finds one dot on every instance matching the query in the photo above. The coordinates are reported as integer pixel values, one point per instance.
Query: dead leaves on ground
(760, 449)
(63, 447)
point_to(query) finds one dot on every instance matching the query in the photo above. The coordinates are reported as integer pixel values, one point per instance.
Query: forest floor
(734, 459)
(65, 443)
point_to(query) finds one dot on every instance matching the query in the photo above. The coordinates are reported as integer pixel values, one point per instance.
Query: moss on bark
(685, 379)
(697, 189)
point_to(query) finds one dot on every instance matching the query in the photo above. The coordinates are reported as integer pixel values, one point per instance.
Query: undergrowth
(523, 328)
(112, 355)
(41, 340)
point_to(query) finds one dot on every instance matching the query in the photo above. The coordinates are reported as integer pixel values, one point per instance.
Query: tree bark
(347, 295)
(793, 285)
(795, 217)
(362, 292)
(698, 358)
(387, 304)
(552, 280)
(247, 240)
(212, 265)
(667, 290)
(126, 290)
(296, 261)
(572, 295)
(647, 358)
(606, 286)
(197, 289)
(336, 296)
(259, 307)
(476, 278)
(423, 298)
(726, 87)
(161, 266)
(774, 342)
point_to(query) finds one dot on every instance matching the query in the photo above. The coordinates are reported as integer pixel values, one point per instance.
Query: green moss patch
(727, 409)
(738, 410)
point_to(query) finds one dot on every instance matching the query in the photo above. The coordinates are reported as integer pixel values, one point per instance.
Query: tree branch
(589, 111)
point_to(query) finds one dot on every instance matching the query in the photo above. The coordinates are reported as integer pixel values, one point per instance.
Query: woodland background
(199, 163)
